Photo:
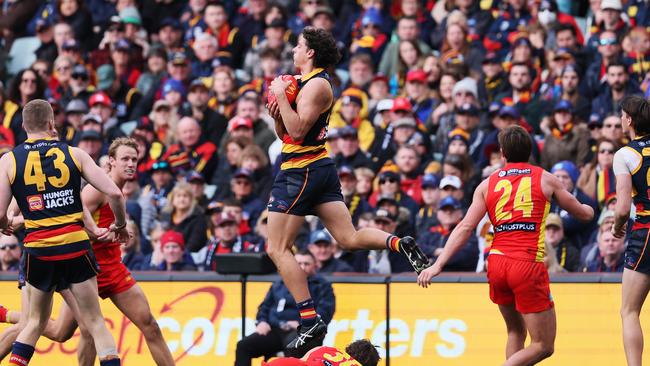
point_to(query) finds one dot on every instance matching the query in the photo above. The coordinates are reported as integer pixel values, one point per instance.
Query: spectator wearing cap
(610, 19)
(192, 151)
(213, 124)
(576, 231)
(251, 21)
(132, 20)
(515, 16)
(80, 83)
(153, 197)
(123, 97)
(478, 22)
(618, 86)
(400, 131)
(197, 182)
(458, 142)
(465, 91)
(495, 80)
(371, 39)
(74, 113)
(390, 185)
(170, 35)
(215, 23)
(122, 62)
(378, 261)
(182, 214)
(91, 142)
(323, 247)
(609, 50)
(25, 87)
(174, 92)
(275, 39)
(350, 153)
(249, 107)
(172, 244)
(567, 255)
(241, 186)
(451, 186)
(408, 30)
(356, 204)
(426, 217)
(566, 138)
(418, 92)
(353, 111)
(449, 214)
(155, 70)
(597, 177)
(226, 239)
(468, 118)
(45, 34)
(277, 316)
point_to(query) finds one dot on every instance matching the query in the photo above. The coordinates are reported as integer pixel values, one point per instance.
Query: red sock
(392, 243)
(3, 314)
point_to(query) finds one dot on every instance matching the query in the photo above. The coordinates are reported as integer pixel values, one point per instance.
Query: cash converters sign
(447, 324)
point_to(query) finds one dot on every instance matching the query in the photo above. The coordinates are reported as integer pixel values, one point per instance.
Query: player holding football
(308, 181)
(517, 200)
(632, 166)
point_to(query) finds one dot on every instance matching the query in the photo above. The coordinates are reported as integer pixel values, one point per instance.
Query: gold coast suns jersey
(518, 208)
(309, 152)
(46, 183)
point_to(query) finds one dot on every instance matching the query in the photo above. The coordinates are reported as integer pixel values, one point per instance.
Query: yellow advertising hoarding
(447, 324)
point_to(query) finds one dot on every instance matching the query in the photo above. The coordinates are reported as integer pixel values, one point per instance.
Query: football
(291, 91)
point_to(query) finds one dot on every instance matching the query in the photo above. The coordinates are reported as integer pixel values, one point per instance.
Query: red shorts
(523, 283)
(113, 279)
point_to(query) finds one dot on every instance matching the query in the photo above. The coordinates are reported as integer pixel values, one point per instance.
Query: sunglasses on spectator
(160, 165)
(389, 180)
(607, 42)
(40, 71)
(612, 125)
(80, 77)
(8, 246)
(28, 81)
(606, 151)
(63, 68)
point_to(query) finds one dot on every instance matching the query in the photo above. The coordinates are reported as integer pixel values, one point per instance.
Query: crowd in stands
(422, 90)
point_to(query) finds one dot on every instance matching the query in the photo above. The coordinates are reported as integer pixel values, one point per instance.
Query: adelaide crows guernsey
(518, 208)
(46, 182)
(309, 152)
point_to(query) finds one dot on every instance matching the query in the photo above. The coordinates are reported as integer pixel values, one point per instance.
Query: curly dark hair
(364, 352)
(13, 92)
(639, 110)
(322, 42)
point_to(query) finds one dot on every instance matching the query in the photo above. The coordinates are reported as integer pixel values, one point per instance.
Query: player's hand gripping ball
(291, 88)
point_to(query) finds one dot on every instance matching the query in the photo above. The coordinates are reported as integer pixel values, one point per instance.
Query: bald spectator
(205, 49)
(193, 151)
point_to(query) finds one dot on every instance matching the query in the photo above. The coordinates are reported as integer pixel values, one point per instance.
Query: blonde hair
(181, 187)
(36, 115)
(122, 141)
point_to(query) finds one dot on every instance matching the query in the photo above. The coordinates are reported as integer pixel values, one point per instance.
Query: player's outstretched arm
(458, 238)
(6, 167)
(104, 184)
(314, 98)
(566, 200)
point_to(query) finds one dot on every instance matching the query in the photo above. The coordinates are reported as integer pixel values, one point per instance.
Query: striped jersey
(310, 152)
(106, 253)
(641, 181)
(518, 208)
(46, 183)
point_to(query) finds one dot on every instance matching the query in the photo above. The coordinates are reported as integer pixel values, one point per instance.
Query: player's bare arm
(459, 235)
(314, 98)
(623, 203)
(7, 170)
(89, 196)
(104, 184)
(565, 199)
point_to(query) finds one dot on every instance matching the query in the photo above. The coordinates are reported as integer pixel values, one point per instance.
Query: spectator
(597, 178)
(565, 139)
(610, 20)
(323, 248)
(609, 50)
(523, 97)
(92, 143)
(618, 86)
(80, 83)
(26, 86)
(277, 316)
(226, 240)
(193, 151)
(407, 160)
(170, 35)
(610, 254)
(350, 152)
(449, 215)
(576, 231)
(241, 186)
(154, 196)
(248, 107)
(251, 21)
(407, 30)
(417, 90)
(390, 185)
(567, 255)
(427, 217)
(364, 177)
(212, 124)
(352, 103)
(122, 94)
(182, 216)
(223, 88)
(172, 245)
(255, 160)
(205, 51)
(131, 255)
(379, 261)
(197, 182)
(613, 129)
(10, 251)
(356, 204)
(495, 80)
(229, 39)
(228, 164)
(274, 39)
(451, 185)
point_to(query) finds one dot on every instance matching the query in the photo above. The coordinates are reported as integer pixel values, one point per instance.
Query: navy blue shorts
(299, 191)
(637, 253)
